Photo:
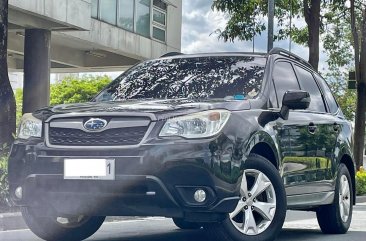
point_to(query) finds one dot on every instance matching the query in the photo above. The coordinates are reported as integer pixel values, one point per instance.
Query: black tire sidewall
(182, 224)
(48, 229)
(261, 164)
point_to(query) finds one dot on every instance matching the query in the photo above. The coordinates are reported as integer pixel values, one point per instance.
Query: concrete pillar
(37, 64)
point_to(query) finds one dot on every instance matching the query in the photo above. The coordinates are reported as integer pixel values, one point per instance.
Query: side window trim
(319, 78)
(327, 108)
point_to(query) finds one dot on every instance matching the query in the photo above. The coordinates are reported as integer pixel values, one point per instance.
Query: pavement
(300, 226)
(14, 221)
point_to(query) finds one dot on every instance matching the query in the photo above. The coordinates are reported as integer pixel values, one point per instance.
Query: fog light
(19, 192)
(200, 196)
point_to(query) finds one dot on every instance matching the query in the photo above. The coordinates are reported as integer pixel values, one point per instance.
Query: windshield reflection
(194, 77)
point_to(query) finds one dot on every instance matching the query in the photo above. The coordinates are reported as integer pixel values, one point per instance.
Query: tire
(329, 216)
(273, 195)
(180, 223)
(51, 229)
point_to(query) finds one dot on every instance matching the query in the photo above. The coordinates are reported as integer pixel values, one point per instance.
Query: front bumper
(153, 180)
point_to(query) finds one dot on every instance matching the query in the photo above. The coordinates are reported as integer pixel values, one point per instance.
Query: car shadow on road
(176, 235)
(200, 235)
(314, 234)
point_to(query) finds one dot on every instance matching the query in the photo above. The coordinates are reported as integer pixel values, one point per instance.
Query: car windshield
(238, 77)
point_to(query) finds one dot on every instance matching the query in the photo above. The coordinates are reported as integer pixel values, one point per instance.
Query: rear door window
(307, 83)
(284, 79)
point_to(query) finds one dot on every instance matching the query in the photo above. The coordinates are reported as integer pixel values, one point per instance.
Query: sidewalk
(14, 221)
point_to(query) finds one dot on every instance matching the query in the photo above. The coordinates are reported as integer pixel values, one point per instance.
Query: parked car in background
(225, 141)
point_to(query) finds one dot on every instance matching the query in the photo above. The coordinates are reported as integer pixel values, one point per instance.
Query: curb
(14, 221)
(360, 199)
(11, 221)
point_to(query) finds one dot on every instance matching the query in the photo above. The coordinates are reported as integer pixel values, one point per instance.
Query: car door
(336, 122)
(301, 137)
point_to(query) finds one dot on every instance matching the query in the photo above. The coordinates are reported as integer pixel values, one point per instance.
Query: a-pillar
(37, 64)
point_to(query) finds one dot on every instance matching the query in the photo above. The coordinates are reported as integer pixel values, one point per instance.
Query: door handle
(312, 128)
(336, 127)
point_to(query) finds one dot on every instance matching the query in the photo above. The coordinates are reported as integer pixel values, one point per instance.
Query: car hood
(162, 108)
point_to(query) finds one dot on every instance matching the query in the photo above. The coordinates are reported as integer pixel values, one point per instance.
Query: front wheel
(261, 210)
(59, 228)
(336, 218)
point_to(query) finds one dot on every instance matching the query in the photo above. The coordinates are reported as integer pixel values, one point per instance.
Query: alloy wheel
(257, 205)
(344, 198)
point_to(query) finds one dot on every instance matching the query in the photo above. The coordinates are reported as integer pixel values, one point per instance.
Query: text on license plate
(94, 169)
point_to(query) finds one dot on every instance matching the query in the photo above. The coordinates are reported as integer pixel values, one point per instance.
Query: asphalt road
(299, 226)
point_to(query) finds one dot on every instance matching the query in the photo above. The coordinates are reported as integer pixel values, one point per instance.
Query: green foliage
(4, 184)
(71, 90)
(246, 17)
(19, 102)
(346, 98)
(361, 182)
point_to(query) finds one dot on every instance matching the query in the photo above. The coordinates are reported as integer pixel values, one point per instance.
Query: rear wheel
(261, 210)
(182, 224)
(61, 228)
(336, 218)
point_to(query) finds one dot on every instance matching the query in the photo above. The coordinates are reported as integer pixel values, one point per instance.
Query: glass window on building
(159, 34)
(142, 17)
(160, 4)
(159, 20)
(108, 11)
(159, 17)
(125, 14)
(94, 8)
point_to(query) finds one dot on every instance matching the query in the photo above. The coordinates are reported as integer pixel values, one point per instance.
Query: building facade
(66, 36)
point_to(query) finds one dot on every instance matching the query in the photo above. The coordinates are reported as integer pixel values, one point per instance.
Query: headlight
(30, 126)
(197, 125)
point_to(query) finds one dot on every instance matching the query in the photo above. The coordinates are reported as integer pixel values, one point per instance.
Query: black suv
(227, 142)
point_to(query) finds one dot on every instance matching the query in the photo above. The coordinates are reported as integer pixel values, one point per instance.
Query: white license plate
(89, 169)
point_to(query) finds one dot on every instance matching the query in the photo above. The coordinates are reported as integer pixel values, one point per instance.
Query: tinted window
(142, 17)
(284, 79)
(125, 14)
(94, 8)
(307, 83)
(333, 106)
(159, 17)
(108, 11)
(198, 77)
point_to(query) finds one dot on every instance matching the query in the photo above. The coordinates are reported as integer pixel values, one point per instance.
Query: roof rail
(286, 53)
(170, 54)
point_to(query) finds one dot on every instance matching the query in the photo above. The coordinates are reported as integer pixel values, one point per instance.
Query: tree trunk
(312, 18)
(359, 136)
(7, 100)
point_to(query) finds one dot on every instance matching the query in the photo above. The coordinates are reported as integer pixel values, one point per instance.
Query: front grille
(111, 137)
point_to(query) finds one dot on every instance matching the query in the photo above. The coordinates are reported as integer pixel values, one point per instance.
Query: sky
(200, 22)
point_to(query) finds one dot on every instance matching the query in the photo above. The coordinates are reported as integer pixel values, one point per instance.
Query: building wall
(82, 43)
(109, 36)
(54, 14)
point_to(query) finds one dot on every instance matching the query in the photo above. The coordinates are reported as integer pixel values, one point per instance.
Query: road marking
(16, 230)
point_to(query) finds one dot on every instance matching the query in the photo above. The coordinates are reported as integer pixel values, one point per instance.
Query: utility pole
(271, 8)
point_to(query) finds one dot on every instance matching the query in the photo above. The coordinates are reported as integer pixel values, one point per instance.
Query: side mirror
(294, 100)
